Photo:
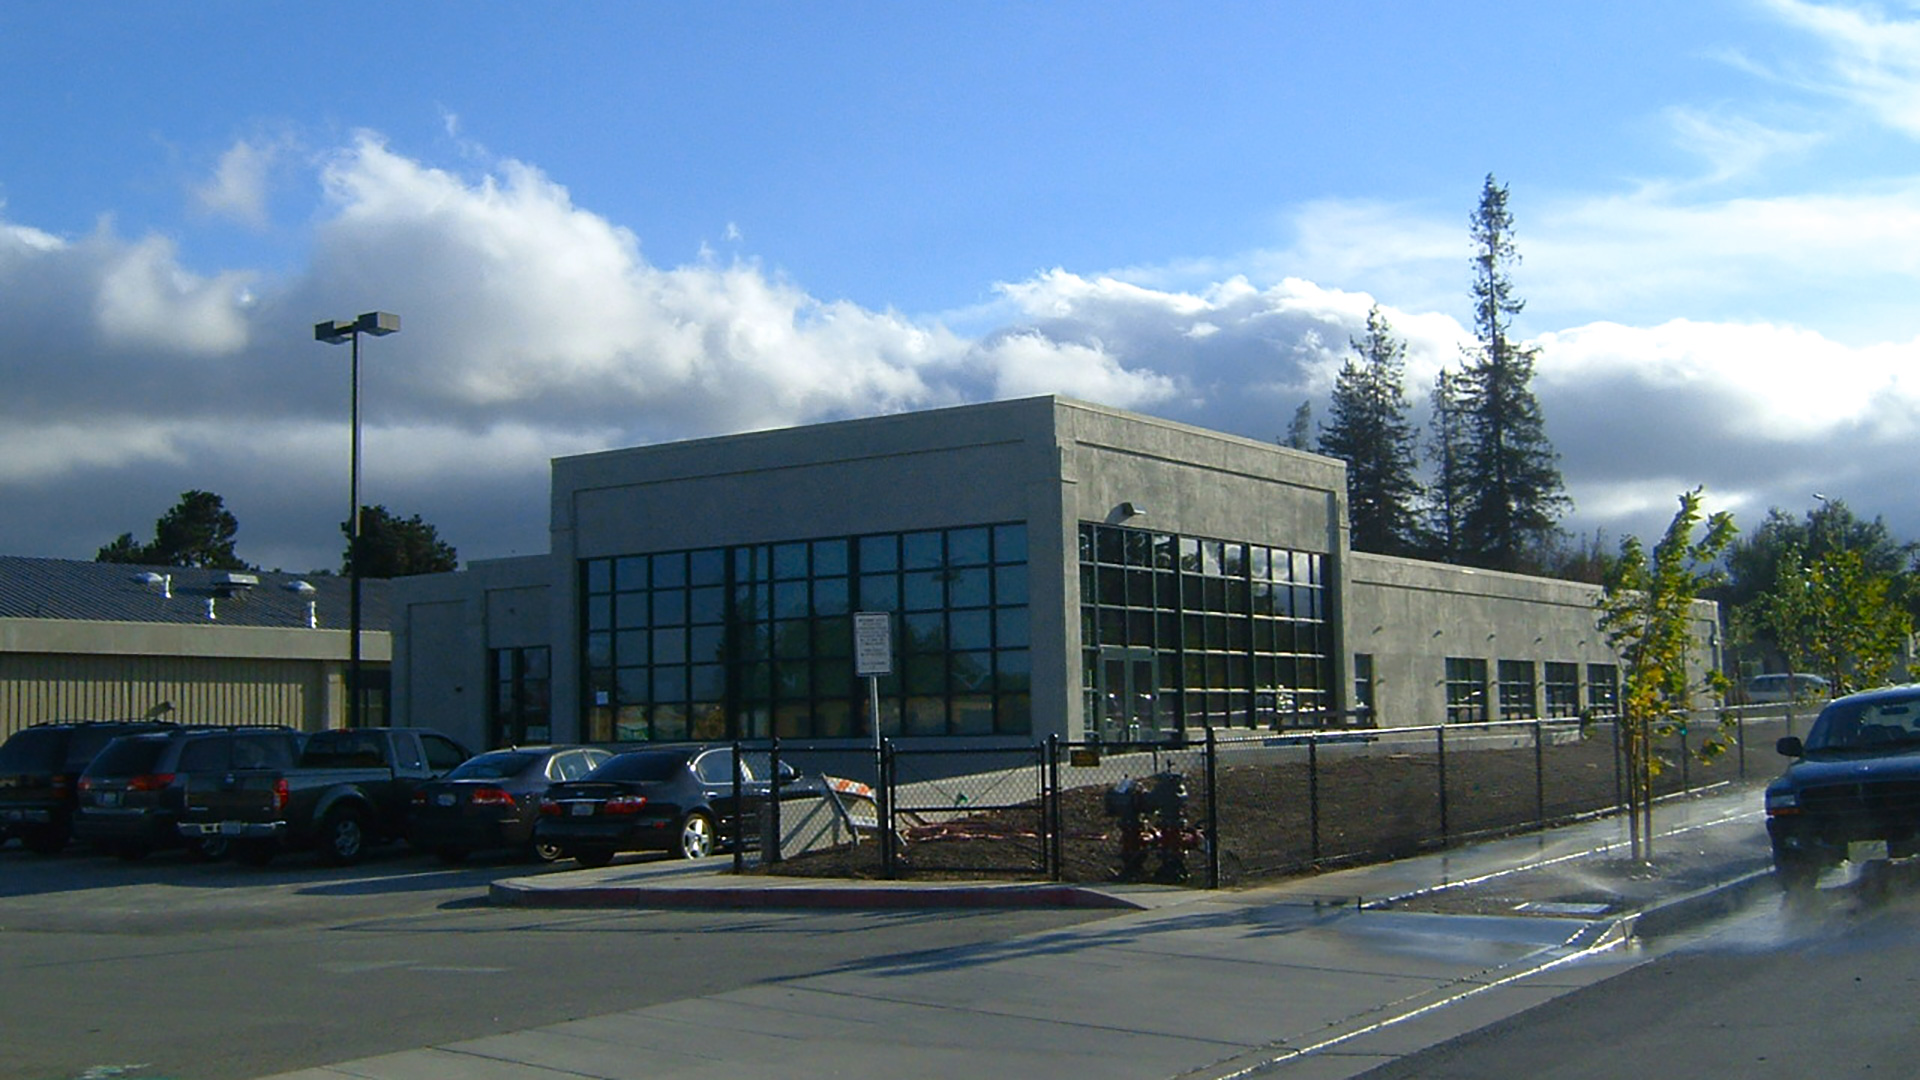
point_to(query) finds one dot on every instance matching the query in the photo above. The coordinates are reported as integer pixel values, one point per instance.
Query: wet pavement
(1319, 976)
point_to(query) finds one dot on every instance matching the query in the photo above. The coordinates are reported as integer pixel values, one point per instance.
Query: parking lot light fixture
(333, 332)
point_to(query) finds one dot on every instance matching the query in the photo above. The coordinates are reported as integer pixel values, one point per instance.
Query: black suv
(40, 769)
(132, 793)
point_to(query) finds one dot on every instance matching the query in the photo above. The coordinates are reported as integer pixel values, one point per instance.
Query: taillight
(419, 798)
(624, 804)
(150, 782)
(280, 795)
(490, 796)
(86, 784)
(549, 808)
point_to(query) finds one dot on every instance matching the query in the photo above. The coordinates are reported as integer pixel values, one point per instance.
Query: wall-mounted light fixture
(1131, 509)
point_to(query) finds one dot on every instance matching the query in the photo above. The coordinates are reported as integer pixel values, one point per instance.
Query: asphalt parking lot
(172, 968)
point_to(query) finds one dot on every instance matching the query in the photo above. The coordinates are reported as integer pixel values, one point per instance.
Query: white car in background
(1798, 686)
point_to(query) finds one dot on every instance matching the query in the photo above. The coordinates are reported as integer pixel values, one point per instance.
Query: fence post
(1740, 739)
(1313, 799)
(1213, 811)
(1539, 775)
(1440, 740)
(772, 845)
(1686, 754)
(1051, 811)
(739, 832)
(885, 809)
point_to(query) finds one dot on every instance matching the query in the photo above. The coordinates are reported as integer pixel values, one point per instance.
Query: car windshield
(494, 765)
(645, 765)
(127, 757)
(34, 750)
(1872, 724)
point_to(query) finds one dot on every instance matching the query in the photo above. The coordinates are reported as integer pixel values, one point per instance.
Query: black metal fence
(1227, 809)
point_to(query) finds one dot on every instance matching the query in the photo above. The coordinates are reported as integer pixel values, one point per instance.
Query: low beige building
(93, 641)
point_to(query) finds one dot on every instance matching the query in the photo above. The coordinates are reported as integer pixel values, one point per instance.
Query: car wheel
(45, 839)
(696, 836)
(255, 852)
(452, 856)
(593, 857)
(343, 836)
(545, 853)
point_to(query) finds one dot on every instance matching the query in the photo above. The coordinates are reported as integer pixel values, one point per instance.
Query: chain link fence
(1228, 809)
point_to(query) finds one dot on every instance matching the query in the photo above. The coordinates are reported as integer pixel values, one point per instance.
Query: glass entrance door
(1128, 690)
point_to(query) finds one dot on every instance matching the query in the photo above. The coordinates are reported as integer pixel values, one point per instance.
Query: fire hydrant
(1152, 815)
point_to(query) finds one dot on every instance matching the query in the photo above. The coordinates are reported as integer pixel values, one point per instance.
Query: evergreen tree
(392, 546)
(1370, 432)
(1300, 430)
(197, 531)
(1447, 495)
(1514, 494)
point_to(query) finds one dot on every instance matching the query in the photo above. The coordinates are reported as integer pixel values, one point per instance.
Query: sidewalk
(1316, 977)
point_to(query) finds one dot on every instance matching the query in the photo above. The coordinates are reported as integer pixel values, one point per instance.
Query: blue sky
(607, 224)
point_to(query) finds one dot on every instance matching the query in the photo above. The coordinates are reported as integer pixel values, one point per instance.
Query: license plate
(230, 828)
(583, 809)
(445, 798)
(109, 798)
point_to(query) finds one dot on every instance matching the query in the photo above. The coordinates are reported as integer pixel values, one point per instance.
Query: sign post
(872, 658)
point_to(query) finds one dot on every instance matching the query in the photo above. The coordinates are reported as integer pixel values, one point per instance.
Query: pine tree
(1447, 496)
(1370, 432)
(1300, 429)
(1514, 493)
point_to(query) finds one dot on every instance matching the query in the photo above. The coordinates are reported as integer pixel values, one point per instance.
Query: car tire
(544, 853)
(697, 839)
(44, 839)
(592, 857)
(343, 836)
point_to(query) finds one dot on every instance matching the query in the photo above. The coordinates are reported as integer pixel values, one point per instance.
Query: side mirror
(1790, 746)
(788, 774)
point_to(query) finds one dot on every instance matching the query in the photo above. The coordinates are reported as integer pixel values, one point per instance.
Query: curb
(1691, 909)
(516, 894)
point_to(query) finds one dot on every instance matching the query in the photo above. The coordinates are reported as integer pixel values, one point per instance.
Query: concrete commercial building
(1046, 567)
(93, 641)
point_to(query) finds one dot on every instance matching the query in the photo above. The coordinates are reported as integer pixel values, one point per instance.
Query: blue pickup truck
(350, 788)
(1852, 790)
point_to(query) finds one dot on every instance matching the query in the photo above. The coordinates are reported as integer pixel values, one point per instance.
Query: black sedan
(490, 801)
(675, 799)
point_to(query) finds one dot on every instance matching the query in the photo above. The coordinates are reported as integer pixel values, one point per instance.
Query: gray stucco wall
(1411, 615)
(445, 625)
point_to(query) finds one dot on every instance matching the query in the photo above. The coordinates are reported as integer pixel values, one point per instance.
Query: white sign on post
(872, 643)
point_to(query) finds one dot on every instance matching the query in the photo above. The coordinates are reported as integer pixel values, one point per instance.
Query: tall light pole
(333, 332)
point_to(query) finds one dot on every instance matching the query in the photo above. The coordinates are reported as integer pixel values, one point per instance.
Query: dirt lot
(1281, 809)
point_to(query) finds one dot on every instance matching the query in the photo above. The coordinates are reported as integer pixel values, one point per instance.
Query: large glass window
(1563, 689)
(522, 696)
(757, 640)
(1603, 689)
(1184, 631)
(1466, 689)
(1519, 699)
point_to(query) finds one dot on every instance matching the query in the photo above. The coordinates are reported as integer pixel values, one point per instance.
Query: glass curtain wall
(1182, 631)
(757, 640)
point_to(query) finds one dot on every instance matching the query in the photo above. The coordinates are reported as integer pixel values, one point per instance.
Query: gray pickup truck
(349, 789)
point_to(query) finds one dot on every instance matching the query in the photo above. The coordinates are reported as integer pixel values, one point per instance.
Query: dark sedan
(673, 799)
(490, 801)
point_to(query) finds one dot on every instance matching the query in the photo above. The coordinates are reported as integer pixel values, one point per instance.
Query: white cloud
(238, 187)
(1873, 60)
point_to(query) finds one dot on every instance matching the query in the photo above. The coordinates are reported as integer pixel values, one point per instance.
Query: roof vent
(163, 582)
(235, 584)
(300, 588)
